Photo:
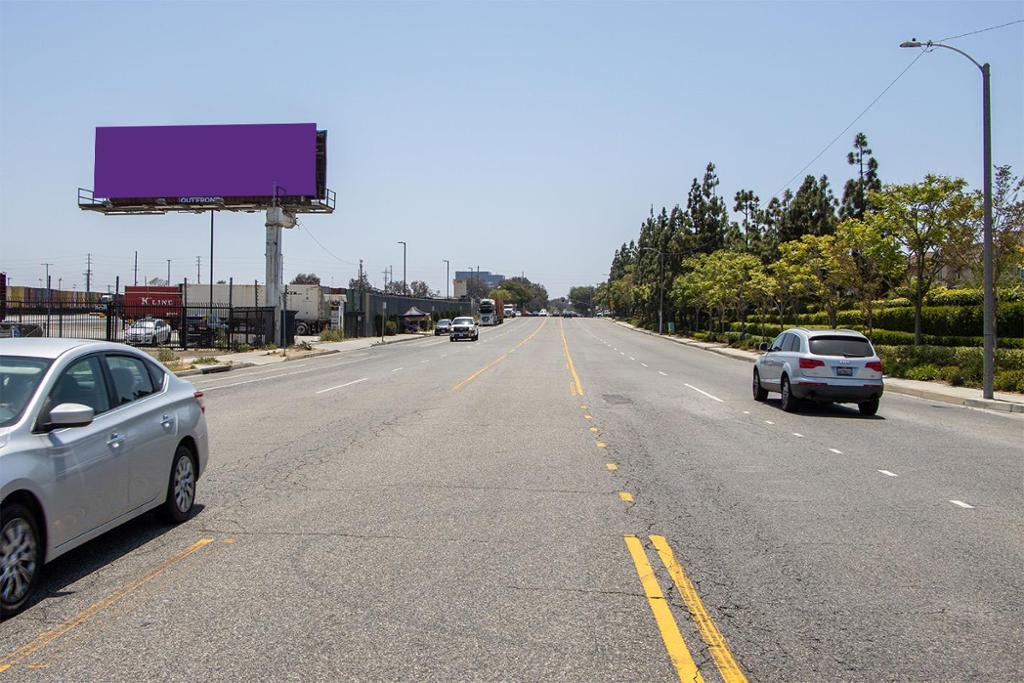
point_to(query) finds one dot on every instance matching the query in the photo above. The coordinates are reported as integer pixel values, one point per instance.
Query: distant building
(489, 279)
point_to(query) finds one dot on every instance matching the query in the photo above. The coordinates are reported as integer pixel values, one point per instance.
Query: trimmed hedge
(956, 365)
(889, 337)
(944, 321)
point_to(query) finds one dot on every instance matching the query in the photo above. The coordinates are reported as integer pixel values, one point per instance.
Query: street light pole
(989, 327)
(404, 286)
(447, 278)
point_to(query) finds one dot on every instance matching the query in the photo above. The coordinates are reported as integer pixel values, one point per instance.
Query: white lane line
(768, 422)
(425, 361)
(701, 391)
(888, 473)
(644, 364)
(631, 358)
(836, 451)
(798, 435)
(621, 353)
(397, 369)
(250, 381)
(346, 384)
(962, 504)
(746, 412)
(663, 373)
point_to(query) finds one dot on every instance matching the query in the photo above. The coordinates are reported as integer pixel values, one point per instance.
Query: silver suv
(826, 366)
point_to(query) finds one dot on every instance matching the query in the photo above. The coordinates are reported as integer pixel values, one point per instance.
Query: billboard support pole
(277, 219)
(210, 314)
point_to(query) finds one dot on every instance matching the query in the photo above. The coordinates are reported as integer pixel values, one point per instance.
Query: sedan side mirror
(70, 415)
(763, 346)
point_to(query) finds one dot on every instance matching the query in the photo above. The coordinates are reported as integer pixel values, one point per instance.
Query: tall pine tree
(856, 200)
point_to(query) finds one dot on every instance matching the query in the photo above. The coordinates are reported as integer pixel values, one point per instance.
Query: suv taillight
(808, 363)
(875, 365)
(198, 396)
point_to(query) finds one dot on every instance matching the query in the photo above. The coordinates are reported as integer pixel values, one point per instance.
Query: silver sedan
(92, 434)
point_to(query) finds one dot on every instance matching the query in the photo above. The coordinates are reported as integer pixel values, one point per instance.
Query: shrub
(391, 328)
(952, 375)
(1009, 380)
(243, 347)
(926, 372)
(204, 360)
(332, 335)
(165, 356)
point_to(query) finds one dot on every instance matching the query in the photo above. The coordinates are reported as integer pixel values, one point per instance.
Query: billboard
(209, 164)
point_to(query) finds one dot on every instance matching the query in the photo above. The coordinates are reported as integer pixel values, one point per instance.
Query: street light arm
(930, 44)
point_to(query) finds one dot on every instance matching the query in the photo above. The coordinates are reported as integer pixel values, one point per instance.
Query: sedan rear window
(849, 347)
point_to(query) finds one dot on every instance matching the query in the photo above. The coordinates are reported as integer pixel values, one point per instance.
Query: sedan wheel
(19, 559)
(181, 489)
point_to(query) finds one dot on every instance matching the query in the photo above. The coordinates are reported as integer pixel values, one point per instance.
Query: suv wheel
(868, 407)
(20, 558)
(760, 393)
(790, 403)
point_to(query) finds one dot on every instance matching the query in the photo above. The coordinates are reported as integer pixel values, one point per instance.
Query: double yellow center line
(683, 662)
(498, 359)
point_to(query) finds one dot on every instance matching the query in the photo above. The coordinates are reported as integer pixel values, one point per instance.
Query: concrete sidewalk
(1004, 401)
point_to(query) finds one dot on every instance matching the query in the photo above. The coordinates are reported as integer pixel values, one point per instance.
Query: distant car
(444, 326)
(203, 330)
(464, 328)
(10, 329)
(148, 331)
(92, 434)
(543, 313)
(825, 366)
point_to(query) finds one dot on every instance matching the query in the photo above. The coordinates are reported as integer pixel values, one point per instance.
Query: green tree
(582, 298)
(930, 221)
(306, 279)
(811, 212)
(708, 214)
(420, 288)
(866, 262)
(855, 202)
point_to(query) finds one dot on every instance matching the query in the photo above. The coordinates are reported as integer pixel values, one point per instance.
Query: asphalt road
(439, 511)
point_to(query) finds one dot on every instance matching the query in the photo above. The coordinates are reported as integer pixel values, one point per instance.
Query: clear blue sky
(514, 136)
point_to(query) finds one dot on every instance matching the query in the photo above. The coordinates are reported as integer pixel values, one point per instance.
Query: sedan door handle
(115, 440)
(167, 421)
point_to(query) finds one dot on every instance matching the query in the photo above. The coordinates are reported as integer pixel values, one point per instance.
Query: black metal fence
(215, 326)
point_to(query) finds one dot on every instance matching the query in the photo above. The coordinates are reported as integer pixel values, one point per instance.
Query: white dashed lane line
(664, 374)
(631, 358)
(397, 369)
(836, 451)
(960, 503)
(346, 384)
(798, 435)
(888, 473)
(644, 364)
(701, 391)
(768, 422)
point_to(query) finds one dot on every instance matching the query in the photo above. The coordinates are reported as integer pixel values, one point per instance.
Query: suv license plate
(844, 372)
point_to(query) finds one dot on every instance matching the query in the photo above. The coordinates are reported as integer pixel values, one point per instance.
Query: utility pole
(385, 279)
(404, 282)
(447, 278)
(47, 266)
(88, 274)
(169, 273)
(199, 265)
(136, 268)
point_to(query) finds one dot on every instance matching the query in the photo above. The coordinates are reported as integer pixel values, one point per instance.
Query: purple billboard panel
(247, 160)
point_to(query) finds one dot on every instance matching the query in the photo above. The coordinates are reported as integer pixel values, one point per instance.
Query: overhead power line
(982, 30)
(326, 250)
(855, 120)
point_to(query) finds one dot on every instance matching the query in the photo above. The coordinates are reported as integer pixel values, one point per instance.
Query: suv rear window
(850, 347)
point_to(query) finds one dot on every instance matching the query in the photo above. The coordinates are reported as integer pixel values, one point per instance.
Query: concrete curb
(208, 369)
(931, 395)
(399, 341)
